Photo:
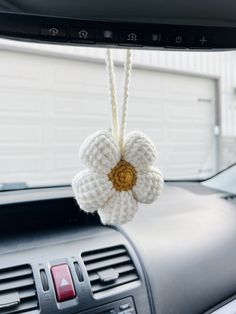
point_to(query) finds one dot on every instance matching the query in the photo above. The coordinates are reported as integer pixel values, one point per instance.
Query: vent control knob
(108, 275)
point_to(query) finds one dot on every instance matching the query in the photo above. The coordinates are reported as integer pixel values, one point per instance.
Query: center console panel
(87, 270)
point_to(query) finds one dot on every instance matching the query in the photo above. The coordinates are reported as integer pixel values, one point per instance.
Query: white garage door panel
(19, 103)
(20, 164)
(49, 105)
(18, 134)
(80, 105)
(190, 111)
(185, 117)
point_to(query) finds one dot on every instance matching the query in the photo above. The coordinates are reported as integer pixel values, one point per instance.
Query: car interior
(177, 255)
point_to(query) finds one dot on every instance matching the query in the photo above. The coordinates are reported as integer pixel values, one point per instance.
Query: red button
(63, 282)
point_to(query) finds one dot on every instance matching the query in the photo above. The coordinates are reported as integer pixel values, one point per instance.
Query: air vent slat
(109, 268)
(27, 294)
(104, 254)
(22, 308)
(17, 284)
(15, 274)
(107, 262)
(125, 268)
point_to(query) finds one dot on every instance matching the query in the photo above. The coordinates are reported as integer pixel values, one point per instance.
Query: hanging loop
(119, 130)
(113, 97)
(124, 110)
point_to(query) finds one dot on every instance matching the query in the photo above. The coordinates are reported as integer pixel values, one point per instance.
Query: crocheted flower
(113, 184)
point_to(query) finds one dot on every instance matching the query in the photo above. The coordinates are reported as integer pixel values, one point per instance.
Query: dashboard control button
(155, 39)
(178, 40)
(63, 282)
(202, 40)
(51, 32)
(108, 34)
(132, 38)
(83, 35)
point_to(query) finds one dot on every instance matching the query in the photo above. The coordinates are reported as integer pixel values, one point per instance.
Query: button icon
(83, 34)
(108, 34)
(156, 37)
(203, 40)
(53, 31)
(132, 37)
(64, 282)
(48, 32)
(178, 39)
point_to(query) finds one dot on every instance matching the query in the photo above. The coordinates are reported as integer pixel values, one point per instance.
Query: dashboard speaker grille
(109, 268)
(17, 290)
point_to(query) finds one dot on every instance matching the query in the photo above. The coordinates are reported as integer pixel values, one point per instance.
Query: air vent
(17, 290)
(109, 268)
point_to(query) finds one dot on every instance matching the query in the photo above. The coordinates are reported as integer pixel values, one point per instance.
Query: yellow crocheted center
(123, 176)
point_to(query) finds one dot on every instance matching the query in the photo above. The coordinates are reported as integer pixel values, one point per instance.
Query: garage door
(49, 104)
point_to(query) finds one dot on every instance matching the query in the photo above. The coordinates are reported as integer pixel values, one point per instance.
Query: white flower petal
(139, 150)
(148, 186)
(119, 209)
(91, 190)
(99, 152)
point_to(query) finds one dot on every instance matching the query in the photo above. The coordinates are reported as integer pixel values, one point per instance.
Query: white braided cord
(128, 68)
(113, 97)
(119, 130)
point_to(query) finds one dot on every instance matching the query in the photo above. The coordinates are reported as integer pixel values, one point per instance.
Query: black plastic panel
(188, 248)
(185, 12)
(115, 34)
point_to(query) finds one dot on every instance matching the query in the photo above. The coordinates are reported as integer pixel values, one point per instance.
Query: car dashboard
(176, 257)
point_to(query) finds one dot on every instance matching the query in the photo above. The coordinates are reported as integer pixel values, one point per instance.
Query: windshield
(52, 97)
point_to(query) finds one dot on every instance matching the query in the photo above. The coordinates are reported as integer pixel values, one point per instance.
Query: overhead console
(115, 34)
(140, 24)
